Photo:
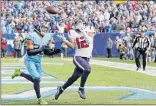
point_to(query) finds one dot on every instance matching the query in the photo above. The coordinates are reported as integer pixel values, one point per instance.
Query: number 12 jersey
(82, 47)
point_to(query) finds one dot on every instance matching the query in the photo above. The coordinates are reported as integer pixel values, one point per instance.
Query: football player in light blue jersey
(36, 47)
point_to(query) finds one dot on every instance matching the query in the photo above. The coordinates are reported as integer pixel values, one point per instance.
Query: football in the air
(51, 10)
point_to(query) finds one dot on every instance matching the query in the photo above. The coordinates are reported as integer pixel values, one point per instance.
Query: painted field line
(130, 67)
(135, 93)
(12, 70)
(13, 65)
(28, 82)
(43, 75)
(21, 78)
(19, 64)
(8, 68)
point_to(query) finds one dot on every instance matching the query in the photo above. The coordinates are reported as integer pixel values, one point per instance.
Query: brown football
(51, 10)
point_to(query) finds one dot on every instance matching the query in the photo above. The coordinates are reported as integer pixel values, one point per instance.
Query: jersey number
(81, 42)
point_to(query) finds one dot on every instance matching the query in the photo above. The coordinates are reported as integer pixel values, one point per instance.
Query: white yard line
(131, 67)
(21, 78)
(28, 82)
(20, 64)
(48, 91)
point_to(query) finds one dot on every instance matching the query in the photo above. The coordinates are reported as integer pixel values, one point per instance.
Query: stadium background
(106, 72)
(99, 43)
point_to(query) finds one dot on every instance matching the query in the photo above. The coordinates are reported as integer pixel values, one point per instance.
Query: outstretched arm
(70, 43)
(32, 52)
(50, 52)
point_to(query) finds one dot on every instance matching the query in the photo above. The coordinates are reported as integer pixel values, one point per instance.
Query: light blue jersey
(33, 63)
(38, 41)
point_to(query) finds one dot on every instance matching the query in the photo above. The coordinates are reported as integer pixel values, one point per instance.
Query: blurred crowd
(105, 16)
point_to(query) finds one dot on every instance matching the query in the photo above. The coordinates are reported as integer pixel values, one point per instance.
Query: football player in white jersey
(82, 40)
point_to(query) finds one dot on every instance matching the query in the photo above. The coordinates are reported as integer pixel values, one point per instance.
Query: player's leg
(17, 72)
(144, 60)
(84, 76)
(76, 74)
(82, 63)
(36, 73)
(137, 57)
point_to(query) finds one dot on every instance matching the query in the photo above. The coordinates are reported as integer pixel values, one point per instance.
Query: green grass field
(100, 76)
(123, 61)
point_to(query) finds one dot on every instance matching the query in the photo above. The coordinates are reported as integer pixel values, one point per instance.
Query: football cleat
(59, 91)
(41, 101)
(17, 72)
(82, 93)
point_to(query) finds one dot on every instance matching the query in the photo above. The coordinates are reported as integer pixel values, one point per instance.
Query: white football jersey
(82, 47)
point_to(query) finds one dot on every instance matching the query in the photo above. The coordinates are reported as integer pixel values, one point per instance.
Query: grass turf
(100, 76)
(123, 61)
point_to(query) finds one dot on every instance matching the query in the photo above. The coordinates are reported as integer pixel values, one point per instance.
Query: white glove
(61, 36)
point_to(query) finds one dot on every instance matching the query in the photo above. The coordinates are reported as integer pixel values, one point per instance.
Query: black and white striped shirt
(143, 42)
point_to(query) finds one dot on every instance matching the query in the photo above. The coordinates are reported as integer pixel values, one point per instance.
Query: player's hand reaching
(50, 52)
(45, 47)
(61, 36)
(59, 29)
(57, 51)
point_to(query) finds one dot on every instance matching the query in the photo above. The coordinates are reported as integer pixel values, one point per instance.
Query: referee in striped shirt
(143, 45)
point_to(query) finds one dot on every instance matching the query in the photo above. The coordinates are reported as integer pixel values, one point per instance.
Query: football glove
(50, 52)
(45, 47)
(61, 36)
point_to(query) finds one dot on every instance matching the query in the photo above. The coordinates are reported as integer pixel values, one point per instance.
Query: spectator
(118, 42)
(128, 44)
(131, 14)
(155, 46)
(3, 29)
(109, 47)
(17, 47)
(152, 48)
(122, 52)
(3, 47)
